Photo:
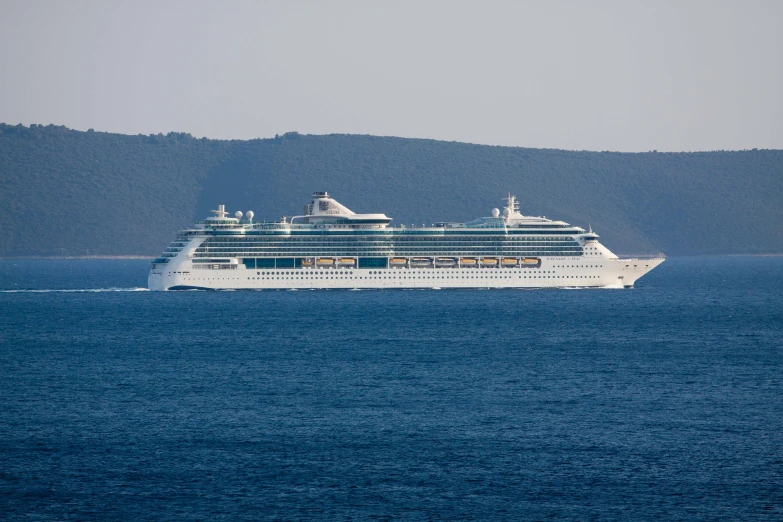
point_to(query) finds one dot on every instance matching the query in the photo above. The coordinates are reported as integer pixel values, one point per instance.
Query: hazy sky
(629, 76)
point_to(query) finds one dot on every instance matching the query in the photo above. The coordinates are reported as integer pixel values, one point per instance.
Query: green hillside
(65, 192)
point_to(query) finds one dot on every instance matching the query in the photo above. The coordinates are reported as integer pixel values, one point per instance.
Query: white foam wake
(73, 290)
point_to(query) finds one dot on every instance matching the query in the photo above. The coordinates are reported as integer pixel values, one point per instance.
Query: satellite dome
(250, 214)
(495, 212)
(238, 214)
(506, 212)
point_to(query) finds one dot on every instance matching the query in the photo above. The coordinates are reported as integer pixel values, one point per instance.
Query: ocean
(662, 402)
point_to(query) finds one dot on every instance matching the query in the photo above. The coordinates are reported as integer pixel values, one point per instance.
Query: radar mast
(220, 212)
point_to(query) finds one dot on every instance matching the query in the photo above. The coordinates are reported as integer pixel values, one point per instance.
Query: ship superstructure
(330, 246)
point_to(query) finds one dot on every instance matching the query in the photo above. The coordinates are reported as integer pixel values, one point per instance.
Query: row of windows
(376, 231)
(215, 267)
(421, 276)
(349, 271)
(262, 252)
(382, 262)
(361, 255)
(388, 246)
(349, 239)
(515, 252)
(429, 279)
(439, 246)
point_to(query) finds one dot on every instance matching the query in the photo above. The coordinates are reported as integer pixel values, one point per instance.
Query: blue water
(661, 402)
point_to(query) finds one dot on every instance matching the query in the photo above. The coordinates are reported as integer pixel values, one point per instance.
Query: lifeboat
(468, 261)
(509, 261)
(531, 262)
(421, 261)
(489, 261)
(398, 261)
(445, 261)
(346, 261)
(324, 261)
(307, 262)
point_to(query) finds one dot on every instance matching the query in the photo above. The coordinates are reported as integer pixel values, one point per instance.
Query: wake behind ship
(329, 246)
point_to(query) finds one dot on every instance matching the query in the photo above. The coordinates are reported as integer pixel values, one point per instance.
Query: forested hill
(65, 192)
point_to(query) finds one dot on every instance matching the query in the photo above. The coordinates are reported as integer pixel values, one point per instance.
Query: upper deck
(325, 215)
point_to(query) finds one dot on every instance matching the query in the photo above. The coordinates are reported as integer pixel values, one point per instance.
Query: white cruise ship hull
(553, 273)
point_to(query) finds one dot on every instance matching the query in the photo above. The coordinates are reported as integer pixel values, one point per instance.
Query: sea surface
(663, 402)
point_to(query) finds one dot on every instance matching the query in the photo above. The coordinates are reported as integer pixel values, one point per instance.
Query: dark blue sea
(663, 402)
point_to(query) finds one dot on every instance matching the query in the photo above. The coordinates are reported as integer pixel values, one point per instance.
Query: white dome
(495, 212)
(238, 214)
(506, 212)
(250, 214)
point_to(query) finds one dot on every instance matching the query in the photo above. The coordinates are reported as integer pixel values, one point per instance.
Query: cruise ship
(330, 246)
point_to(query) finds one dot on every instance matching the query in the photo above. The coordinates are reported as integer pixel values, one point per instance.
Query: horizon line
(296, 133)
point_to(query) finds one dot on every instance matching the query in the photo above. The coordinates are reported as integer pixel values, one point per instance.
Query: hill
(66, 192)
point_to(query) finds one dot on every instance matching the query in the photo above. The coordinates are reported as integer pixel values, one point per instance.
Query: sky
(578, 75)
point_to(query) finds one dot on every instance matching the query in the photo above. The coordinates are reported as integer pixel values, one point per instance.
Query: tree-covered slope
(64, 192)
